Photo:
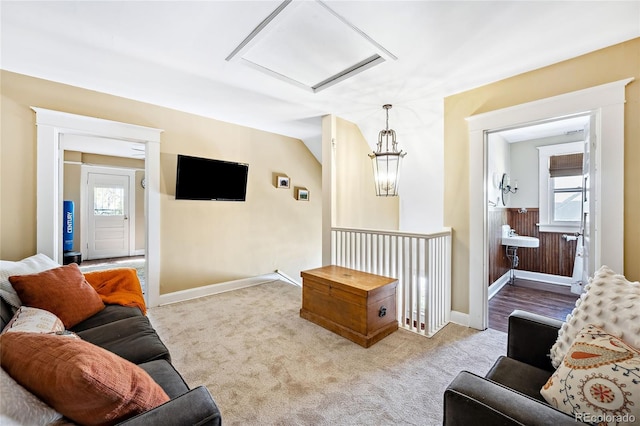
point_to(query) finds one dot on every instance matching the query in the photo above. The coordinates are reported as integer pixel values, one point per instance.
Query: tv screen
(208, 179)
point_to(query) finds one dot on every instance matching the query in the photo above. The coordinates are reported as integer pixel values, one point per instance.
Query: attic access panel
(307, 44)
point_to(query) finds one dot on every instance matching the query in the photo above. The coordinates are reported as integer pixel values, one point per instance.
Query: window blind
(565, 165)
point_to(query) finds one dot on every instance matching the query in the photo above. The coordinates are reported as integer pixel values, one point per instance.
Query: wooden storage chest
(356, 305)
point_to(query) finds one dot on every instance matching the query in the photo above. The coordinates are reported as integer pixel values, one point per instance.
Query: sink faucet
(512, 233)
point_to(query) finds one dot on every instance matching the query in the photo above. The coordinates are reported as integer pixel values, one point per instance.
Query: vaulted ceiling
(280, 66)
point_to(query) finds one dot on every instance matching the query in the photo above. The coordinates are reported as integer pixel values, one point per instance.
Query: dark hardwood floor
(512, 297)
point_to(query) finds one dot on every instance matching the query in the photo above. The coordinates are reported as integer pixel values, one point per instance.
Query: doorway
(606, 103)
(535, 190)
(53, 126)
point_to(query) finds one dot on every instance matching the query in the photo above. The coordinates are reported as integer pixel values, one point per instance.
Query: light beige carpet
(265, 365)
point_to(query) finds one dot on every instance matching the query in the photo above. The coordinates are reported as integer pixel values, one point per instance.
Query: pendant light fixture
(386, 164)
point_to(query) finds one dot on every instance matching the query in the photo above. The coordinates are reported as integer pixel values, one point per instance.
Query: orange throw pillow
(62, 291)
(87, 384)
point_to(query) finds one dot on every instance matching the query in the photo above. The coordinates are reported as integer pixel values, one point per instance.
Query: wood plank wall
(498, 262)
(555, 255)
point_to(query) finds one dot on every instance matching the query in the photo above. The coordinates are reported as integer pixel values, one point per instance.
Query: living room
(208, 243)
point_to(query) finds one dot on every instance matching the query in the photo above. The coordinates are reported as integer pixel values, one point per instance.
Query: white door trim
(50, 157)
(84, 204)
(607, 103)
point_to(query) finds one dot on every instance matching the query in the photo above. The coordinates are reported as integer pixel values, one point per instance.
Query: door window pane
(108, 201)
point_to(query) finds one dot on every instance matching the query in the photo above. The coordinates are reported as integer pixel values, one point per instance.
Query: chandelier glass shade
(386, 164)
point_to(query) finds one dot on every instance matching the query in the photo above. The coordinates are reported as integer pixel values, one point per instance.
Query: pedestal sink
(520, 241)
(512, 242)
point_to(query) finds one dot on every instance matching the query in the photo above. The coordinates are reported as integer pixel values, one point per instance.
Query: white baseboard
(207, 290)
(545, 278)
(459, 318)
(498, 284)
(138, 252)
(288, 278)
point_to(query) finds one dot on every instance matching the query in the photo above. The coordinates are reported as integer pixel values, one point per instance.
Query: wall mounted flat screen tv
(207, 179)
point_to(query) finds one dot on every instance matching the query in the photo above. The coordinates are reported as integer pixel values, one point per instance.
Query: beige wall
(202, 242)
(603, 66)
(357, 205)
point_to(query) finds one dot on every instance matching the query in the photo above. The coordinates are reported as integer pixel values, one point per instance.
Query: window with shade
(560, 185)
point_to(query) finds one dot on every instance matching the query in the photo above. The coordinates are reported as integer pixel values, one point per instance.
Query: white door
(588, 224)
(108, 214)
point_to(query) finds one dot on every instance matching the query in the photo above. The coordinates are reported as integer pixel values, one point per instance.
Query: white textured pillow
(21, 407)
(611, 303)
(30, 265)
(34, 320)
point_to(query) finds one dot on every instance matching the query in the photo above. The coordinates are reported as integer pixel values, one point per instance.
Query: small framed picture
(302, 194)
(283, 182)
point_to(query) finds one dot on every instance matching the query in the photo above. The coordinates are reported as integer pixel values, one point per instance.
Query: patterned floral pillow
(34, 320)
(598, 380)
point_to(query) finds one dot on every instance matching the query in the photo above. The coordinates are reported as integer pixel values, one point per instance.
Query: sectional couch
(126, 333)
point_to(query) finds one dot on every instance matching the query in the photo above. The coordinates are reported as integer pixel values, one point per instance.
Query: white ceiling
(173, 53)
(559, 127)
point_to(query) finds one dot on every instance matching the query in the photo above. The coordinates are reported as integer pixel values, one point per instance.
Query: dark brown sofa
(126, 332)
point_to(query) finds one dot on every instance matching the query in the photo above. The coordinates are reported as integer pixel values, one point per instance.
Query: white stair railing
(420, 262)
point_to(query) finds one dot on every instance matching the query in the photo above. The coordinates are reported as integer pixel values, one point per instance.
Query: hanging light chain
(386, 133)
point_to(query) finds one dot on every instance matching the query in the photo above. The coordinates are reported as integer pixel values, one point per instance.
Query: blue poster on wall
(67, 226)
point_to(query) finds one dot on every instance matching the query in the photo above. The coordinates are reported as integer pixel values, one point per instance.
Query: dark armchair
(510, 392)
